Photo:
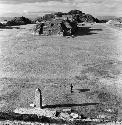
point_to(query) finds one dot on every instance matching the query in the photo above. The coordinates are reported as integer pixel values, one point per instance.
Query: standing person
(41, 28)
(71, 88)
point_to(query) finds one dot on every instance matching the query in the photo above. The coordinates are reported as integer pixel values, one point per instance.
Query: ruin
(38, 98)
(56, 27)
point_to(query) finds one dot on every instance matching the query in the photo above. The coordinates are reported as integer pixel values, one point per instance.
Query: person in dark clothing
(71, 88)
(41, 28)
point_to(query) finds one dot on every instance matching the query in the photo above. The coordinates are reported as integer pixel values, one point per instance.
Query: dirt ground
(90, 60)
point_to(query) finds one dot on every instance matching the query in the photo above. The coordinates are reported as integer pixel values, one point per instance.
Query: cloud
(89, 1)
(24, 1)
(100, 7)
(37, 7)
(94, 7)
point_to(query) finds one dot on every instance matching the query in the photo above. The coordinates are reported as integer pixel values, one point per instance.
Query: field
(91, 60)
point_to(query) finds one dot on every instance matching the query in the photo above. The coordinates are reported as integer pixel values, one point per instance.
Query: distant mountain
(107, 18)
(5, 18)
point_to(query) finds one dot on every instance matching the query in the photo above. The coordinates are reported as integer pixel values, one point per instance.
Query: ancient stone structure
(56, 27)
(38, 98)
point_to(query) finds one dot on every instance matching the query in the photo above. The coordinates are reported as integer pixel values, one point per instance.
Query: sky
(41, 7)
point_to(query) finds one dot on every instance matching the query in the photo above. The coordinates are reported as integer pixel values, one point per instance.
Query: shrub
(19, 21)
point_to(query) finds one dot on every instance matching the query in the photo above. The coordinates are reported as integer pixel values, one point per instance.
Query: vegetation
(19, 21)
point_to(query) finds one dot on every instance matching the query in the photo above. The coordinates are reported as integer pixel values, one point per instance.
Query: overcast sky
(40, 7)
